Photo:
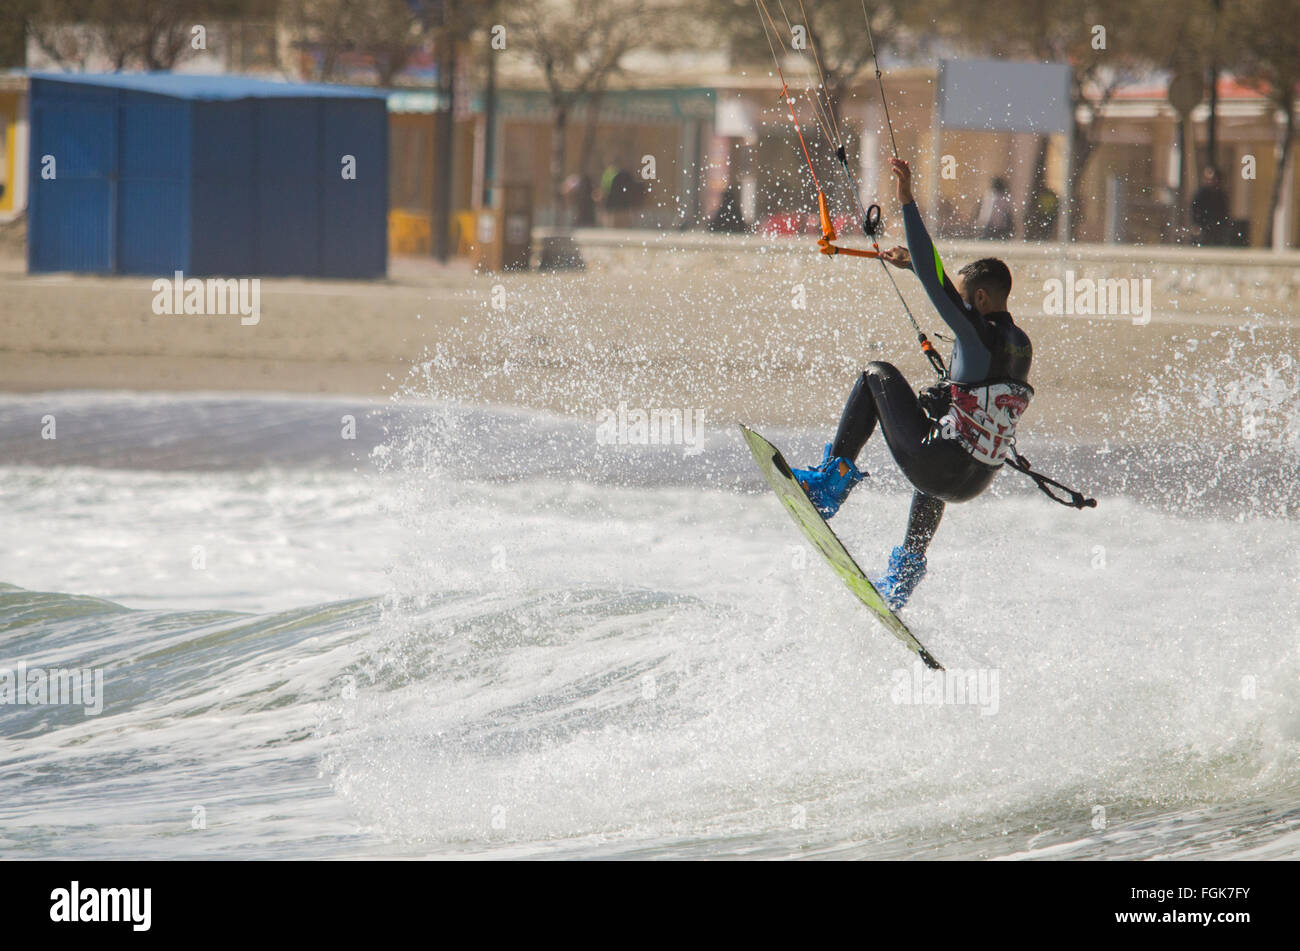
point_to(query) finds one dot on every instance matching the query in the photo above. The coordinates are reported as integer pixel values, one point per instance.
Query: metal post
(490, 129)
(1067, 190)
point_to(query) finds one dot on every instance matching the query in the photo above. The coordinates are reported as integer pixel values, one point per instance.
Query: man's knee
(881, 378)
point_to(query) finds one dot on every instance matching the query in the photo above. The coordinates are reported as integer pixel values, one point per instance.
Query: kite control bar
(871, 228)
(829, 235)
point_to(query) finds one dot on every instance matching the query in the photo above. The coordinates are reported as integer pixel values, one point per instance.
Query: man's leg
(829, 483)
(881, 393)
(922, 522)
(908, 432)
(857, 421)
(907, 562)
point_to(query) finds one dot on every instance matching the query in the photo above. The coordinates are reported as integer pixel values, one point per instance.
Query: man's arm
(929, 268)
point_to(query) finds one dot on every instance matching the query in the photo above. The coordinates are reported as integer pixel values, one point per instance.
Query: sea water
(476, 631)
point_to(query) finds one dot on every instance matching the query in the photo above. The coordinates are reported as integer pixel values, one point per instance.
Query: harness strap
(1076, 500)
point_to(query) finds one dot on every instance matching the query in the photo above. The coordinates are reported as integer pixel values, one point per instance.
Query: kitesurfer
(950, 440)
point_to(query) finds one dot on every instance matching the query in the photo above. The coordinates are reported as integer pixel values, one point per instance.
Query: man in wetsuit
(951, 444)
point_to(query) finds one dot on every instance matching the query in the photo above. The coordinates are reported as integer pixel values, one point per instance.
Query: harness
(984, 417)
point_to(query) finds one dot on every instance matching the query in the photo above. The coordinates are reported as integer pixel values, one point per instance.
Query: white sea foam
(450, 657)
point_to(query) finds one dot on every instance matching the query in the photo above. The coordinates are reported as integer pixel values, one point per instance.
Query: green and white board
(816, 530)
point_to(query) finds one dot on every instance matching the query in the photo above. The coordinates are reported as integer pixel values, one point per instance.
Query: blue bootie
(828, 484)
(906, 569)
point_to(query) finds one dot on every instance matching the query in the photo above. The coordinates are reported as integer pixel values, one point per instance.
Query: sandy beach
(745, 328)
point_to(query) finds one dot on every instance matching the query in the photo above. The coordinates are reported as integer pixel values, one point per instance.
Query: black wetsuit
(989, 350)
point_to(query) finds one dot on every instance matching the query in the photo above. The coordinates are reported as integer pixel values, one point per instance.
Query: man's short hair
(988, 273)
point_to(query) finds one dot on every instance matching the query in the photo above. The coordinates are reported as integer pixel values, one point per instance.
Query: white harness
(984, 417)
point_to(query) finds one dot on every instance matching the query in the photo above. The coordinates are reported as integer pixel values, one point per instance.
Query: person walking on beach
(1210, 217)
(994, 216)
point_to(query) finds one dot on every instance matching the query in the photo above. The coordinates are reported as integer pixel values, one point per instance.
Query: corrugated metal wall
(221, 187)
(354, 240)
(70, 216)
(149, 184)
(153, 190)
(286, 176)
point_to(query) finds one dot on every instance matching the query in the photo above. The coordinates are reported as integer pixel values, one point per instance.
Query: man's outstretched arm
(928, 266)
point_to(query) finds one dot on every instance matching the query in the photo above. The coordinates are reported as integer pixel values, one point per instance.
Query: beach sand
(764, 332)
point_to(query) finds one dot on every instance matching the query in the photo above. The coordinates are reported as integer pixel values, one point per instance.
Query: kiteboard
(777, 472)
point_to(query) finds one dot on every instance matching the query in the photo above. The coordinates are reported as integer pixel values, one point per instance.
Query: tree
(834, 57)
(578, 48)
(387, 31)
(59, 28)
(1270, 62)
(14, 17)
(144, 34)
(1106, 42)
(837, 33)
(453, 22)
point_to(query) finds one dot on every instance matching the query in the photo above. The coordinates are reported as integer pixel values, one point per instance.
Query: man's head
(1210, 175)
(985, 285)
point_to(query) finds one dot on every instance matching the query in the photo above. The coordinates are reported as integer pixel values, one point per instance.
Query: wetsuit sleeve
(944, 297)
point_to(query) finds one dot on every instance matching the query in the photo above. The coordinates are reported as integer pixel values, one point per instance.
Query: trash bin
(517, 224)
(503, 237)
(487, 239)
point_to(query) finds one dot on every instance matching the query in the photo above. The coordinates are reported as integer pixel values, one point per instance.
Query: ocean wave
(441, 655)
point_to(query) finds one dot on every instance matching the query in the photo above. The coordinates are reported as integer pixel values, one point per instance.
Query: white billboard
(997, 96)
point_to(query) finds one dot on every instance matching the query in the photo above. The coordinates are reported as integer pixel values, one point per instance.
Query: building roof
(191, 86)
(1158, 88)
